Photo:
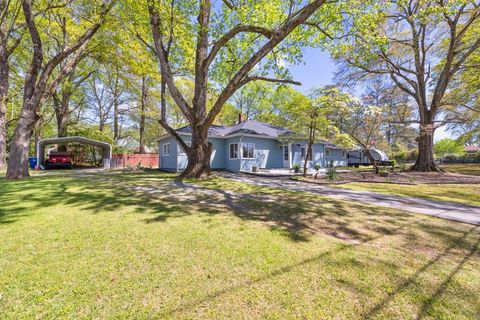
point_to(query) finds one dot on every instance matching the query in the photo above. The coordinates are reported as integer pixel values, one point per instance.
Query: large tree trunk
(3, 111)
(62, 121)
(425, 159)
(143, 103)
(198, 156)
(18, 157)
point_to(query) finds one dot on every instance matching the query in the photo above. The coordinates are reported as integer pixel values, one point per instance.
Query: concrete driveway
(446, 210)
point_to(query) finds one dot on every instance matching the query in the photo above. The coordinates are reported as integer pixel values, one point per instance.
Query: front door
(286, 156)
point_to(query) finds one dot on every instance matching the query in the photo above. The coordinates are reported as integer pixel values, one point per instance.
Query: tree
(306, 116)
(448, 146)
(242, 36)
(361, 121)
(420, 45)
(9, 40)
(38, 85)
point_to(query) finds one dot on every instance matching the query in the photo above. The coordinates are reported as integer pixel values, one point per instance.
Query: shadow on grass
(293, 214)
(405, 284)
(297, 215)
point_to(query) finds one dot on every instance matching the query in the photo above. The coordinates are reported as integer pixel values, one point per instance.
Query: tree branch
(280, 33)
(231, 34)
(255, 78)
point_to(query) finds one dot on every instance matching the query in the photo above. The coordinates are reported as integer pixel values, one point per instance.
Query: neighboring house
(472, 149)
(251, 144)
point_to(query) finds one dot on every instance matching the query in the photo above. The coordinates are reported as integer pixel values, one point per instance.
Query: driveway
(446, 210)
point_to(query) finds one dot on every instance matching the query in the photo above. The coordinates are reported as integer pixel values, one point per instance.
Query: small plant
(332, 174)
(384, 173)
(317, 167)
(296, 168)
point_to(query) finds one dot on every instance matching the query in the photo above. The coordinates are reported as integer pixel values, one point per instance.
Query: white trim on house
(327, 153)
(166, 152)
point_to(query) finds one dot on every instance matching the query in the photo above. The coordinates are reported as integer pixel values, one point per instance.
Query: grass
(472, 169)
(460, 193)
(134, 245)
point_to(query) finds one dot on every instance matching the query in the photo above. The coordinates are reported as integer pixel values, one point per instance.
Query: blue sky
(318, 70)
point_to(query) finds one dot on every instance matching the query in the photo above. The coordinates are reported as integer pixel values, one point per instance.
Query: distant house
(251, 144)
(472, 149)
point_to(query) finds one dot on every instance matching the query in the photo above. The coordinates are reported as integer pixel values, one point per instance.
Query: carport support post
(107, 156)
(40, 153)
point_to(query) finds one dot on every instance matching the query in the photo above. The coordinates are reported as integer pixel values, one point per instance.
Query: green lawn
(472, 169)
(461, 193)
(136, 246)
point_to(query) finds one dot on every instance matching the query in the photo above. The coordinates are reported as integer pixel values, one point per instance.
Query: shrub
(332, 174)
(317, 167)
(296, 168)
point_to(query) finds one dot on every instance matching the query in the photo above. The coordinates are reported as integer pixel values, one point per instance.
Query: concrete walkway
(447, 210)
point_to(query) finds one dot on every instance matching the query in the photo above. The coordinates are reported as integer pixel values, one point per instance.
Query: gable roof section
(258, 128)
(246, 127)
(214, 130)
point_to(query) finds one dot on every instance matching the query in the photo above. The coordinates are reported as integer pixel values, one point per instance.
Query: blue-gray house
(251, 144)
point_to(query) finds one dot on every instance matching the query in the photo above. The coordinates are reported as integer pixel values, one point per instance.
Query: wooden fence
(149, 160)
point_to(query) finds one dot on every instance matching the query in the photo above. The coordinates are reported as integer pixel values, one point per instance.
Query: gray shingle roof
(246, 127)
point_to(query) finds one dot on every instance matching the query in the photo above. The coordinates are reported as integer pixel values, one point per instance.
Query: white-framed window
(344, 154)
(180, 149)
(327, 153)
(166, 149)
(233, 151)
(248, 150)
(285, 153)
(302, 153)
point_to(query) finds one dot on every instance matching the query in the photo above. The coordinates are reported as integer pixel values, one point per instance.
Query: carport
(106, 147)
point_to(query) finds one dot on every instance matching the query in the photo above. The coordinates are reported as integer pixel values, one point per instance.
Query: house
(472, 149)
(251, 144)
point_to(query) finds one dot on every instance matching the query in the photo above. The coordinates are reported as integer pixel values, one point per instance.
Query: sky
(318, 70)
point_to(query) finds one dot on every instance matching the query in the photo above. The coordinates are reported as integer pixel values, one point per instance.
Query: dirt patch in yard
(404, 177)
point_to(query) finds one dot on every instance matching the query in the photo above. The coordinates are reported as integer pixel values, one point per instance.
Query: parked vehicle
(58, 160)
(359, 158)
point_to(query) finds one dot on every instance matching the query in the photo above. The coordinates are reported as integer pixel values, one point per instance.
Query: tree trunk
(116, 133)
(3, 110)
(425, 159)
(198, 156)
(372, 160)
(143, 103)
(62, 114)
(311, 138)
(18, 157)
(62, 121)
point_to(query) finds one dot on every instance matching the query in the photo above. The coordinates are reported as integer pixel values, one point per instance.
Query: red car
(57, 160)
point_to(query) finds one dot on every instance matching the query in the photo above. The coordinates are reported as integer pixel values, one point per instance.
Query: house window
(180, 149)
(327, 153)
(285, 153)
(248, 150)
(234, 151)
(344, 154)
(166, 149)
